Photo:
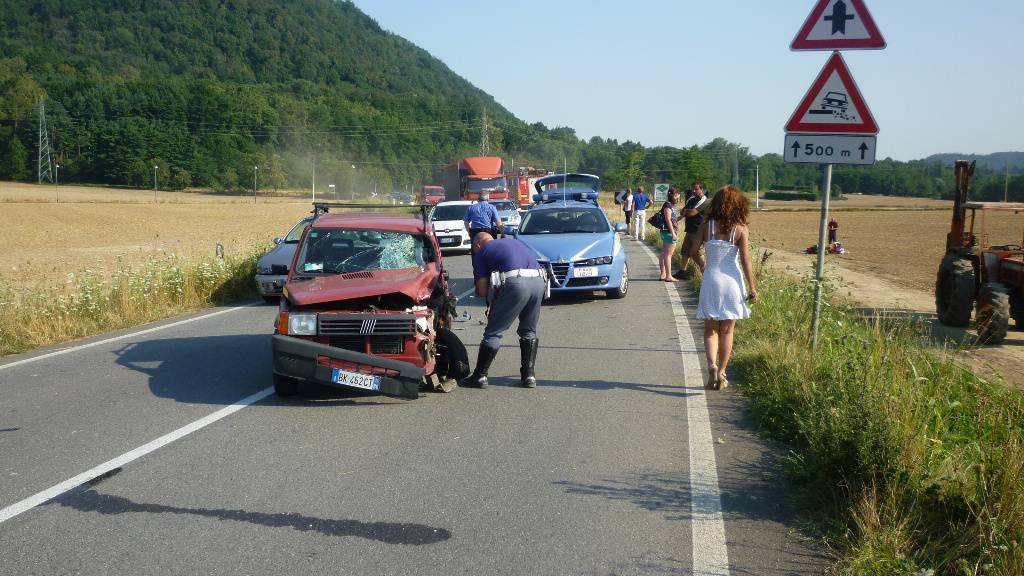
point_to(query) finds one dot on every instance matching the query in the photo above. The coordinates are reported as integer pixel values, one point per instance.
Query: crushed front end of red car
(367, 306)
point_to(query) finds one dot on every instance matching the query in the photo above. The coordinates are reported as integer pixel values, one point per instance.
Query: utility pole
(255, 171)
(155, 168)
(314, 177)
(736, 167)
(45, 166)
(757, 186)
(1006, 181)
(56, 183)
(484, 143)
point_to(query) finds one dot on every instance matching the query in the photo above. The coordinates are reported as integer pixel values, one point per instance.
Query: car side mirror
(621, 227)
(277, 240)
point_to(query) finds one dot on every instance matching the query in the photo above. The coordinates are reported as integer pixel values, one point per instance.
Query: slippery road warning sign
(834, 104)
(839, 25)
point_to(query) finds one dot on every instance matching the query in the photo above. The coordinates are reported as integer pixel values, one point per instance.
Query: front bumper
(453, 241)
(608, 277)
(270, 284)
(298, 358)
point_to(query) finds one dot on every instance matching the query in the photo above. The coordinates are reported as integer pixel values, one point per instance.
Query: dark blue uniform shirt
(640, 202)
(482, 215)
(502, 255)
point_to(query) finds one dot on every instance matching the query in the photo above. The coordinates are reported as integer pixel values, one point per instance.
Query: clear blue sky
(681, 72)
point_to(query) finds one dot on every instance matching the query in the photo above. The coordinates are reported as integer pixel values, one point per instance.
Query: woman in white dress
(724, 289)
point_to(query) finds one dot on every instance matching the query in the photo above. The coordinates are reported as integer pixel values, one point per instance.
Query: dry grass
(20, 192)
(904, 247)
(44, 242)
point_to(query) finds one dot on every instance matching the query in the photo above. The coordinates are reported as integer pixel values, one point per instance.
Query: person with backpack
(640, 203)
(669, 234)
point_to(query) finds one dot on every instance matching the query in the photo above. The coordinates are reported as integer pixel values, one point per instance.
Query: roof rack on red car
(325, 207)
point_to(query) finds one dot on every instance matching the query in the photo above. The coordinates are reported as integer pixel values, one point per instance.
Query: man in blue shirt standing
(520, 286)
(483, 217)
(640, 203)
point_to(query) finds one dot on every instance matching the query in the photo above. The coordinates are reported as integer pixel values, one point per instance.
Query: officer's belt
(522, 273)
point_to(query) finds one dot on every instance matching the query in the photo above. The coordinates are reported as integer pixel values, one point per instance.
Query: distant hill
(996, 161)
(212, 88)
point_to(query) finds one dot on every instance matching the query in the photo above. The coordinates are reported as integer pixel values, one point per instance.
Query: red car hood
(413, 282)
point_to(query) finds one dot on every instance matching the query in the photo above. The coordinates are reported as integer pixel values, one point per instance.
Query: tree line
(218, 94)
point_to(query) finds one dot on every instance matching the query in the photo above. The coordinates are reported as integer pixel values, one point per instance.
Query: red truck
(465, 179)
(432, 194)
(367, 306)
(523, 184)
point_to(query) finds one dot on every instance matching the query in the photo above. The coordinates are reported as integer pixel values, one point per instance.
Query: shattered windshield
(341, 250)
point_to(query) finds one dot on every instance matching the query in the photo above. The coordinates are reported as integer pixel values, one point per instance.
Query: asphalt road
(609, 467)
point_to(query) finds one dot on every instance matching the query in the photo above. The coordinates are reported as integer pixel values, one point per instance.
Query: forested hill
(1012, 161)
(210, 87)
(207, 90)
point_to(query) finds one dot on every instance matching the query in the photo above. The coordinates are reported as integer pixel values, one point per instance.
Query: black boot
(478, 379)
(528, 353)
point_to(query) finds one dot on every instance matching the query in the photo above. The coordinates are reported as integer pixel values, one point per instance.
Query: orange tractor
(976, 274)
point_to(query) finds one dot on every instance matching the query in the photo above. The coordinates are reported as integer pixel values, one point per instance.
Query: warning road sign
(839, 25)
(834, 104)
(830, 149)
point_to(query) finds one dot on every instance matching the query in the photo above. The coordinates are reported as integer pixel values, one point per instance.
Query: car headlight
(264, 269)
(595, 261)
(302, 324)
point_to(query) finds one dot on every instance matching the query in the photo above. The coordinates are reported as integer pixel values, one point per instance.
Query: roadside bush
(91, 303)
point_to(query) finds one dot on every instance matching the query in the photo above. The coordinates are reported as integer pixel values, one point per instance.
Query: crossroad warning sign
(839, 25)
(833, 105)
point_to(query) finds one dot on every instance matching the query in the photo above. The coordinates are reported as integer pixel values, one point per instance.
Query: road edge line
(63, 351)
(70, 484)
(708, 547)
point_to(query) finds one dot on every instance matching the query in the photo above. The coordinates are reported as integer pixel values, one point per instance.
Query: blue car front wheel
(620, 292)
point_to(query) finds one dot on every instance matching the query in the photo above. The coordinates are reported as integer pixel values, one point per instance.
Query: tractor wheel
(954, 291)
(1017, 308)
(993, 315)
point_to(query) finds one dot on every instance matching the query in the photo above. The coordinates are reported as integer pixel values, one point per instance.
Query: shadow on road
(222, 370)
(596, 385)
(89, 500)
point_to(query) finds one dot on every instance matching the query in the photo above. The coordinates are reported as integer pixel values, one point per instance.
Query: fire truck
(467, 178)
(523, 184)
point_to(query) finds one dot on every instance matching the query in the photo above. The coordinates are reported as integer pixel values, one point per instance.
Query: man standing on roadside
(693, 212)
(509, 266)
(640, 203)
(483, 217)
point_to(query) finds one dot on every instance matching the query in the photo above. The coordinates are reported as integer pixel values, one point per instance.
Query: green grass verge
(910, 463)
(907, 463)
(90, 303)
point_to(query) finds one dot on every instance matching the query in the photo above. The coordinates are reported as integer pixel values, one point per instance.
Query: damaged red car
(367, 306)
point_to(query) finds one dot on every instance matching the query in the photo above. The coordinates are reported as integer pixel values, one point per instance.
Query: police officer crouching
(520, 286)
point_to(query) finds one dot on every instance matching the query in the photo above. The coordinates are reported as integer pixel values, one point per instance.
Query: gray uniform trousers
(519, 298)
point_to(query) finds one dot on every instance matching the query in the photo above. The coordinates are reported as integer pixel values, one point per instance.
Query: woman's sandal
(712, 379)
(723, 382)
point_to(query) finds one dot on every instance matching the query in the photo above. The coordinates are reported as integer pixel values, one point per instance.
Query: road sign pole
(826, 192)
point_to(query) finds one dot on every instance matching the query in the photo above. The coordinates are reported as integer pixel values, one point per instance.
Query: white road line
(72, 483)
(710, 553)
(466, 293)
(117, 338)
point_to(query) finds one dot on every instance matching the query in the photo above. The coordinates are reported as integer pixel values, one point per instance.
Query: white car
(448, 219)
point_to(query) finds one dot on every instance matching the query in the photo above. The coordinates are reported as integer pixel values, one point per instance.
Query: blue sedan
(573, 239)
